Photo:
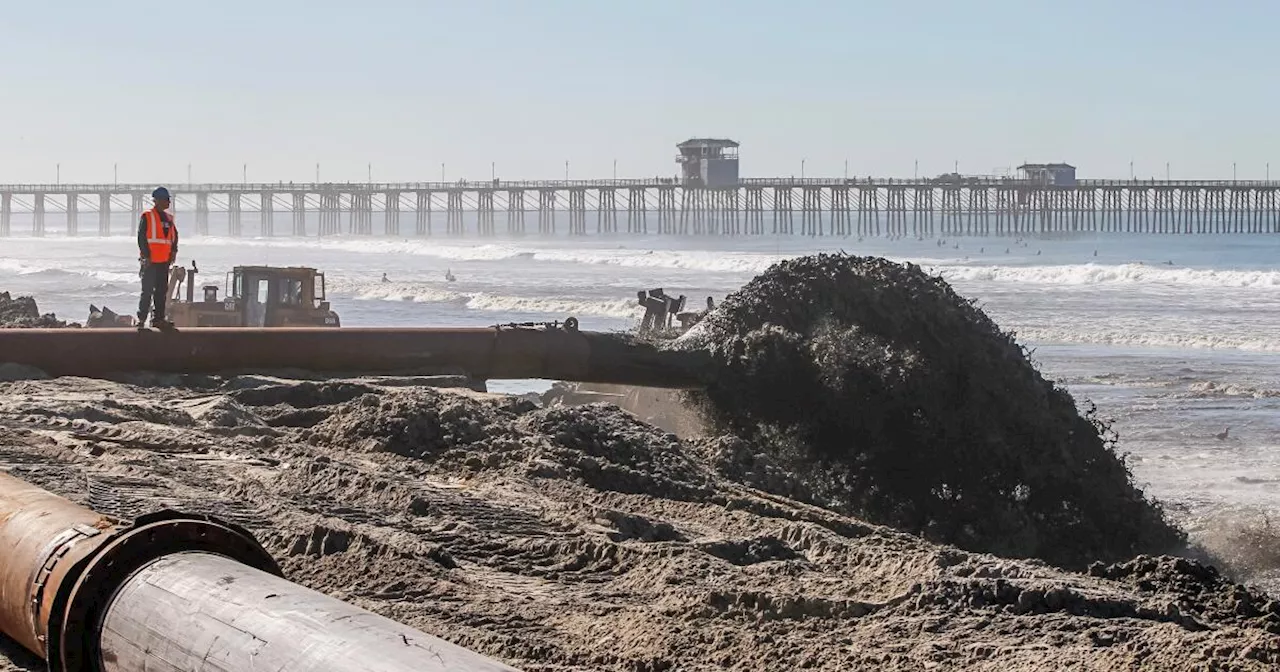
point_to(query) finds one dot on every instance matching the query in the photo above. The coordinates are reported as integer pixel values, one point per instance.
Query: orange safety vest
(159, 242)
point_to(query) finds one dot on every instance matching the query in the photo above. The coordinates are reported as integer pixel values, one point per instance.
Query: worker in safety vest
(157, 248)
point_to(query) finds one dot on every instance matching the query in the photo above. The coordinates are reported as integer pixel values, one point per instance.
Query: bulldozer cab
(253, 296)
(277, 297)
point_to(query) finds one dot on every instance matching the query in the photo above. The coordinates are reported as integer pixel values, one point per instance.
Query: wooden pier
(919, 208)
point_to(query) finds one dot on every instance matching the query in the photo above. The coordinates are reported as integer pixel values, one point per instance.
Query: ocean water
(1176, 338)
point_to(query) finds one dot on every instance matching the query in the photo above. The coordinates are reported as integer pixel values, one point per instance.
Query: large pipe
(509, 352)
(198, 611)
(168, 591)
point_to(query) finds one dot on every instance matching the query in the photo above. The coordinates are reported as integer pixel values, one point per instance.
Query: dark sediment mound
(597, 444)
(305, 394)
(610, 449)
(417, 423)
(920, 413)
(22, 312)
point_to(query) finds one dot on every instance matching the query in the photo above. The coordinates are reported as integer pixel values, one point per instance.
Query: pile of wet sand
(579, 538)
(22, 312)
(902, 402)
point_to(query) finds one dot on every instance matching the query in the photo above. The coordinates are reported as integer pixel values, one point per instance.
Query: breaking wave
(694, 260)
(1101, 335)
(756, 262)
(1211, 389)
(424, 293)
(1096, 274)
(16, 267)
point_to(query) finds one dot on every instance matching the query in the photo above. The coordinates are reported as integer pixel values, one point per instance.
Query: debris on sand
(22, 312)
(902, 402)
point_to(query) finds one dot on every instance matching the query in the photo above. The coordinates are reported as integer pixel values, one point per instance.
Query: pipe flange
(49, 559)
(73, 641)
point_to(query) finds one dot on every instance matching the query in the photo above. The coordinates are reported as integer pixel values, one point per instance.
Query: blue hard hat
(160, 192)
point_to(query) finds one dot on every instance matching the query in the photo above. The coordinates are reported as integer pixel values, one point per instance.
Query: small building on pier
(708, 162)
(1055, 174)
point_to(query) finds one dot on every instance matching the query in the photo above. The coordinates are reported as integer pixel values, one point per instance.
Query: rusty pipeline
(89, 593)
(552, 352)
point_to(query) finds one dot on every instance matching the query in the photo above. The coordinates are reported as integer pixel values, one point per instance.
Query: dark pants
(155, 290)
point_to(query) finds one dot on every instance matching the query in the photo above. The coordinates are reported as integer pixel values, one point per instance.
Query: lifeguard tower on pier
(1052, 174)
(708, 162)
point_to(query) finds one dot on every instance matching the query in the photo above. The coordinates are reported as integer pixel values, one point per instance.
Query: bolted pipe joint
(60, 566)
(84, 590)
(174, 591)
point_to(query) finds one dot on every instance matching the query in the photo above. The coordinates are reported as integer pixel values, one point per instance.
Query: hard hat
(160, 192)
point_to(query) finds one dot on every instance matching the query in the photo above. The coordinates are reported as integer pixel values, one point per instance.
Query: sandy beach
(582, 539)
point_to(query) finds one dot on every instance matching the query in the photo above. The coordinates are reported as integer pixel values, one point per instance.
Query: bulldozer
(255, 296)
(660, 308)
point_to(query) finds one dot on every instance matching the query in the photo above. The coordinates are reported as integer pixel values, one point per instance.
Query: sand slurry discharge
(905, 404)
(580, 538)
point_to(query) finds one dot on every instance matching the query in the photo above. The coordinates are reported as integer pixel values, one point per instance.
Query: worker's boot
(161, 323)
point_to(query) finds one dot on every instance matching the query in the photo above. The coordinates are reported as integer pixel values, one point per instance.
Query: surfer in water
(448, 275)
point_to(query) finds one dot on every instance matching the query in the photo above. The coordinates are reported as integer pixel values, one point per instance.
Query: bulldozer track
(79, 428)
(85, 430)
(129, 497)
(15, 460)
(118, 495)
(124, 496)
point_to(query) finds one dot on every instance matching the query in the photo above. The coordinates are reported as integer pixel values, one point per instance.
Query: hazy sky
(530, 84)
